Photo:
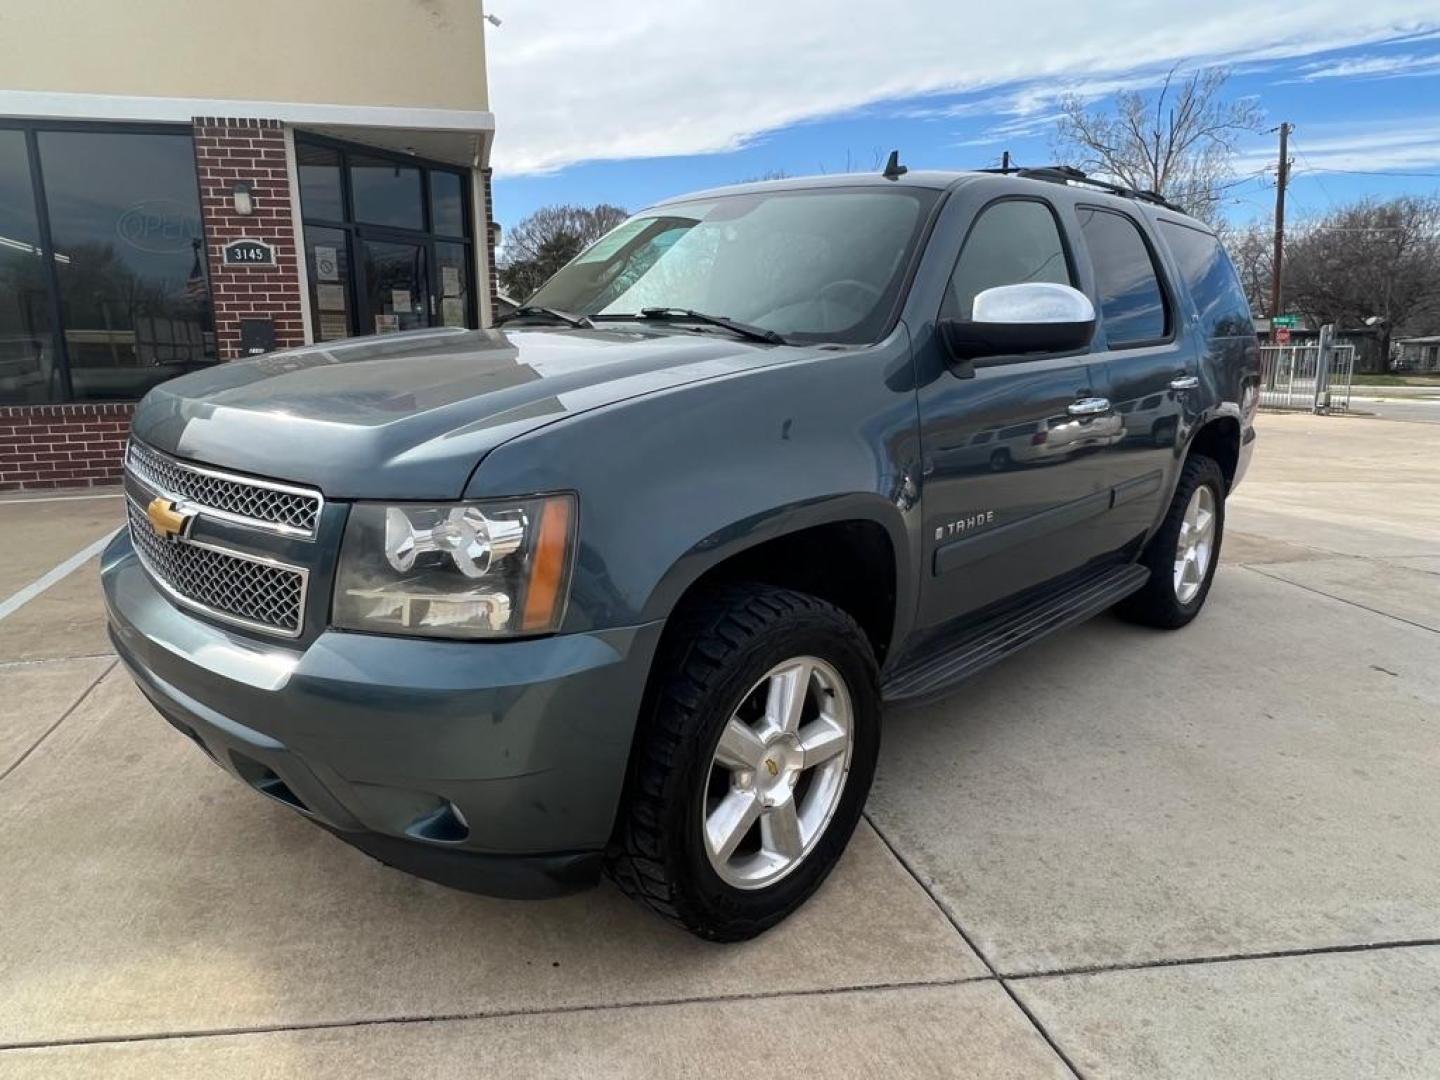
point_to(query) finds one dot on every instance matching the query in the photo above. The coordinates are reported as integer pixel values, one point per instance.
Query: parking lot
(1125, 853)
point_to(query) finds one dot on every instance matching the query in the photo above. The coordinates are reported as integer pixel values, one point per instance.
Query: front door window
(397, 285)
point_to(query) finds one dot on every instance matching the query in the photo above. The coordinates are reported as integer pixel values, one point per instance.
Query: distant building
(1368, 342)
(178, 190)
(1418, 354)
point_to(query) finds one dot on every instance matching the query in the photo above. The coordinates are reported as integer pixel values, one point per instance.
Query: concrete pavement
(1122, 854)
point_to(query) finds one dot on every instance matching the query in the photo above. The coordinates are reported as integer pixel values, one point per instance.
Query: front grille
(231, 587)
(262, 503)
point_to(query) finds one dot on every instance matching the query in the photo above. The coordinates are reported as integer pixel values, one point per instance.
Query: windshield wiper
(745, 330)
(581, 321)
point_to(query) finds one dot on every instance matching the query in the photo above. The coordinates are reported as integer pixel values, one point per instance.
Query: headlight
(476, 569)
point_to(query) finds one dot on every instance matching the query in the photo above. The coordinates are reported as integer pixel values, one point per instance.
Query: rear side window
(1010, 242)
(1211, 279)
(1126, 283)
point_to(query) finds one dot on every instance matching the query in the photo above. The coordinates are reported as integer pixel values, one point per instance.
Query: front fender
(779, 521)
(672, 483)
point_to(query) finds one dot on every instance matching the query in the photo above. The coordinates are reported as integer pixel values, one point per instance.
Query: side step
(997, 637)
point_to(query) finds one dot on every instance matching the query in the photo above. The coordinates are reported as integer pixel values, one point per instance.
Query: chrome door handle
(1184, 382)
(1089, 406)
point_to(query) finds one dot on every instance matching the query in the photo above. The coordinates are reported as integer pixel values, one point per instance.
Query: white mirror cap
(1032, 302)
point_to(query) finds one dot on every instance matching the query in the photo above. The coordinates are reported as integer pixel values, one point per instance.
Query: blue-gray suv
(622, 585)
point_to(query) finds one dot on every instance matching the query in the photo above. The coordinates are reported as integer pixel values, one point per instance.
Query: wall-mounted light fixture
(244, 198)
(493, 20)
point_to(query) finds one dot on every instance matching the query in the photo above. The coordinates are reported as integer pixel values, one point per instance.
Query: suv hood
(411, 415)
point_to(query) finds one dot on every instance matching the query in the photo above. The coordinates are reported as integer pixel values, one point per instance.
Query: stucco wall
(418, 53)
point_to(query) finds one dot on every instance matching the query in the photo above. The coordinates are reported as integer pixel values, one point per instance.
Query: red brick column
(488, 225)
(53, 446)
(227, 151)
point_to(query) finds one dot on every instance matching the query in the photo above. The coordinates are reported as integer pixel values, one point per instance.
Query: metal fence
(1308, 378)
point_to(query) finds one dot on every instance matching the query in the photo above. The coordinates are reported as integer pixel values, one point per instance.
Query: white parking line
(60, 498)
(18, 600)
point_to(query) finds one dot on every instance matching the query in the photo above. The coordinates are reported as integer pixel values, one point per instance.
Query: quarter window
(1211, 279)
(1126, 283)
(1011, 242)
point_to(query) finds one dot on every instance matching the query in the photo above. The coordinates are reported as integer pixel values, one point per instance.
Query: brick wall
(253, 150)
(488, 225)
(53, 446)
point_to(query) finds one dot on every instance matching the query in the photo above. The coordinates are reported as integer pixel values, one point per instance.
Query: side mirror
(1011, 320)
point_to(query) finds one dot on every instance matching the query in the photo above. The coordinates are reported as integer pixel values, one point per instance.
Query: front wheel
(1183, 553)
(751, 770)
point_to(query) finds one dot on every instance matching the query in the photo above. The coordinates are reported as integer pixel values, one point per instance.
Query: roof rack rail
(1068, 174)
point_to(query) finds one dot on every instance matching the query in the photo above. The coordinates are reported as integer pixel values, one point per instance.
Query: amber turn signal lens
(549, 567)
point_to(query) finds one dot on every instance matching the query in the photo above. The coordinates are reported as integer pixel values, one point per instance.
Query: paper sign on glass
(450, 278)
(327, 266)
(400, 299)
(330, 297)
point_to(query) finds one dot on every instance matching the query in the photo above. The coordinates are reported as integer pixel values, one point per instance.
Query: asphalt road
(1126, 853)
(1423, 410)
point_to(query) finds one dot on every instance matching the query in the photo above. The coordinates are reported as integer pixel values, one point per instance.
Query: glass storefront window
(329, 265)
(453, 275)
(124, 212)
(386, 193)
(28, 372)
(386, 240)
(319, 169)
(447, 211)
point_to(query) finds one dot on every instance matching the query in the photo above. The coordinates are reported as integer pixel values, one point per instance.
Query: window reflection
(1131, 302)
(28, 372)
(447, 212)
(385, 192)
(319, 169)
(129, 252)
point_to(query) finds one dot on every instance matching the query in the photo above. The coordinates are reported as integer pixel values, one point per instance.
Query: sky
(632, 101)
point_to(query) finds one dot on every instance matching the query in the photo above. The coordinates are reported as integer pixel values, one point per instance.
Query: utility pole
(1282, 178)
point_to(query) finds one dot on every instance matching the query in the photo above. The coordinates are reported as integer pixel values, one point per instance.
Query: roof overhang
(456, 136)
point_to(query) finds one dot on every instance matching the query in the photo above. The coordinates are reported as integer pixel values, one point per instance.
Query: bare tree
(1179, 142)
(1252, 250)
(1375, 263)
(548, 239)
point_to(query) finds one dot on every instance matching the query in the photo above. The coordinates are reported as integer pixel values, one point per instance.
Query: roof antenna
(893, 169)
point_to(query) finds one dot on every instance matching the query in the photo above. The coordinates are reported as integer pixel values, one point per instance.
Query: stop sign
(1282, 335)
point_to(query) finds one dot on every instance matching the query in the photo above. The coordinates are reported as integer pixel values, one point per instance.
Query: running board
(1002, 635)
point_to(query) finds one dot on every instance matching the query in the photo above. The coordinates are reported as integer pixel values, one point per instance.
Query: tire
(1163, 603)
(722, 654)
(1000, 460)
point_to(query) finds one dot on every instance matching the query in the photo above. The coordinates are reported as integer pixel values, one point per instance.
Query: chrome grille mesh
(229, 586)
(258, 501)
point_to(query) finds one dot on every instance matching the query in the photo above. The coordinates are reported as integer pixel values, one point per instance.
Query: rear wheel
(752, 769)
(1183, 553)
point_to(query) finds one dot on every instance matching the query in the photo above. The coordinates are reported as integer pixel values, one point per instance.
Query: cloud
(1375, 66)
(1411, 144)
(579, 81)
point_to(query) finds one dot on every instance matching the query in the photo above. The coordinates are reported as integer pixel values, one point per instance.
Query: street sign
(1282, 336)
(1289, 322)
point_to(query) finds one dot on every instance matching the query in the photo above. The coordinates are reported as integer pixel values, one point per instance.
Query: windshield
(810, 265)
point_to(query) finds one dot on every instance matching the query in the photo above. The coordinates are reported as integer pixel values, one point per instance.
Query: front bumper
(490, 766)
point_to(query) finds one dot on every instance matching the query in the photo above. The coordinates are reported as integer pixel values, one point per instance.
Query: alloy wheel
(1196, 544)
(777, 773)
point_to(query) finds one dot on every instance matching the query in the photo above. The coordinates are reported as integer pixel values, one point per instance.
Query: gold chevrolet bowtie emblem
(770, 764)
(167, 519)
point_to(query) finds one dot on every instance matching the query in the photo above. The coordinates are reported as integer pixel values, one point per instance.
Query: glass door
(397, 284)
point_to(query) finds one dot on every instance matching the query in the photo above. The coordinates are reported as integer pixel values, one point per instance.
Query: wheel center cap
(780, 766)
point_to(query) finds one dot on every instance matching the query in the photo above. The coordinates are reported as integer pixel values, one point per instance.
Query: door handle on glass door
(1090, 406)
